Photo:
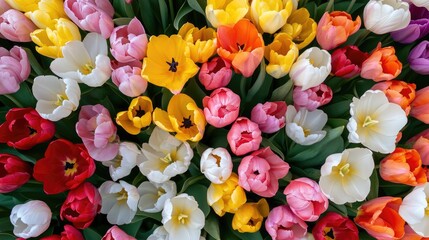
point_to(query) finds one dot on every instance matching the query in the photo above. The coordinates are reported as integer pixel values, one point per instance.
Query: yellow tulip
(270, 15)
(23, 5)
(182, 117)
(202, 42)
(51, 40)
(46, 12)
(249, 217)
(168, 63)
(300, 27)
(226, 197)
(138, 116)
(226, 12)
(281, 54)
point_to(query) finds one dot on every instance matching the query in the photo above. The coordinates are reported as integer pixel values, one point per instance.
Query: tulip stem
(330, 6)
(349, 8)
(18, 104)
(171, 7)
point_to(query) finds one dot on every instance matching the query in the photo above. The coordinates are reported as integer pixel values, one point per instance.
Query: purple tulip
(419, 58)
(14, 69)
(418, 27)
(15, 26)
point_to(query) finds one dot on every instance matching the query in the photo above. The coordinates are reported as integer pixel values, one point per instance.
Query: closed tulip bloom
(419, 58)
(403, 166)
(14, 69)
(281, 54)
(115, 233)
(128, 43)
(381, 65)
(91, 15)
(23, 5)
(414, 210)
(270, 15)
(380, 218)
(226, 12)
(222, 107)
(300, 27)
(312, 98)
(347, 61)
(420, 142)
(202, 42)
(334, 28)
(311, 68)
(283, 224)
(14, 26)
(305, 199)
(14, 172)
(30, 219)
(386, 16)
(153, 195)
(249, 217)
(216, 165)
(399, 92)
(138, 115)
(336, 225)
(241, 45)
(46, 12)
(215, 73)
(417, 29)
(244, 136)
(420, 105)
(269, 116)
(129, 80)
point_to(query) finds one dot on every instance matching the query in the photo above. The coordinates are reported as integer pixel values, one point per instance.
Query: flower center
(217, 159)
(369, 121)
(241, 46)
(306, 132)
(140, 112)
(328, 233)
(32, 131)
(183, 218)
(344, 170)
(161, 192)
(70, 167)
(60, 99)
(117, 161)
(186, 123)
(86, 69)
(122, 196)
(167, 159)
(173, 65)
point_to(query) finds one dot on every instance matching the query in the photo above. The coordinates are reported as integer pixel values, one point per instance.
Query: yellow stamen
(427, 207)
(183, 218)
(344, 169)
(167, 159)
(70, 167)
(161, 192)
(60, 99)
(117, 161)
(86, 69)
(122, 196)
(369, 122)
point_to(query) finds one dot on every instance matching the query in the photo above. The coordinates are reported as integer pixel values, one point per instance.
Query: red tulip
(14, 173)
(347, 61)
(335, 226)
(69, 233)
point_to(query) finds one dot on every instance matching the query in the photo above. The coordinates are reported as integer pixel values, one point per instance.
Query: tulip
(91, 15)
(24, 128)
(138, 116)
(305, 199)
(222, 107)
(417, 29)
(270, 15)
(244, 136)
(311, 68)
(216, 165)
(15, 68)
(283, 224)
(98, 132)
(414, 210)
(129, 80)
(381, 65)
(14, 26)
(127, 158)
(261, 171)
(420, 142)
(300, 27)
(336, 226)
(281, 54)
(158, 233)
(69, 233)
(386, 16)
(269, 116)
(403, 166)
(216, 73)
(115, 233)
(249, 217)
(419, 58)
(23, 5)
(420, 105)
(241, 45)
(347, 61)
(202, 42)
(312, 98)
(410, 234)
(4, 6)
(154, 195)
(46, 12)
(14, 172)
(420, 3)
(380, 218)
(30, 219)
(226, 12)
(81, 205)
(334, 28)
(399, 92)
(128, 43)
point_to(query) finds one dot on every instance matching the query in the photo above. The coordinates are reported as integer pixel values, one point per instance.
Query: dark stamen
(32, 131)
(241, 46)
(140, 112)
(68, 166)
(187, 123)
(173, 65)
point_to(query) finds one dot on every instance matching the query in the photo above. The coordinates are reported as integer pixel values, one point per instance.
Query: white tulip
(415, 209)
(305, 127)
(159, 234)
(182, 218)
(56, 98)
(311, 68)
(30, 219)
(119, 201)
(421, 3)
(164, 156)
(384, 16)
(154, 195)
(85, 62)
(345, 176)
(124, 162)
(375, 122)
(216, 165)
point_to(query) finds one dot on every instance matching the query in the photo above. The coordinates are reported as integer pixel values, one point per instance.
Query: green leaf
(122, 21)
(199, 192)
(149, 15)
(212, 226)
(341, 209)
(6, 149)
(184, 9)
(89, 233)
(7, 236)
(156, 216)
(280, 93)
(373, 193)
(25, 96)
(193, 89)
(5, 225)
(267, 143)
(190, 181)
(258, 83)
(124, 9)
(35, 65)
(132, 228)
(198, 5)
(163, 10)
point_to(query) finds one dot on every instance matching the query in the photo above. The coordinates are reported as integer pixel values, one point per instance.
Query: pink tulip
(312, 98)
(14, 69)
(269, 116)
(222, 107)
(15, 26)
(91, 15)
(98, 132)
(215, 74)
(260, 172)
(420, 105)
(306, 199)
(115, 233)
(128, 43)
(129, 80)
(420, 142)
(4, 6)
(282, 224)
(244, 136)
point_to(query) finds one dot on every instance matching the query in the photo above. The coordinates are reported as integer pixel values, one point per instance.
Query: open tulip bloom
(215, 119)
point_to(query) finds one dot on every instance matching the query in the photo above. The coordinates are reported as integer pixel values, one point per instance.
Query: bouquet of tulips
(217, 119)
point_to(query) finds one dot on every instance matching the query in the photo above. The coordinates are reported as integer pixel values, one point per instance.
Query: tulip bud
(381, 65)
(115, 233)
(244, 136)
(14, 172)
(30, 219)
(334, 224)
(222, 107)
(270, 15)
(376, 12)
(312, 98)
(347, 61)
(15, 68)
(420, 105)
(282, 223)
(419, 58)
(216, 73)
(129, 80)
(281, 54)
(417, 29)
(14, 26)
(269, 116)
(216, 165)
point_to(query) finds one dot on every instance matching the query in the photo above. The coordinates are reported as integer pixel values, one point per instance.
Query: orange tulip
(241, 45)
(420, 105)
(380, 218)
(334, 28)
(398, 92)
(381, 65)
(403, 166)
